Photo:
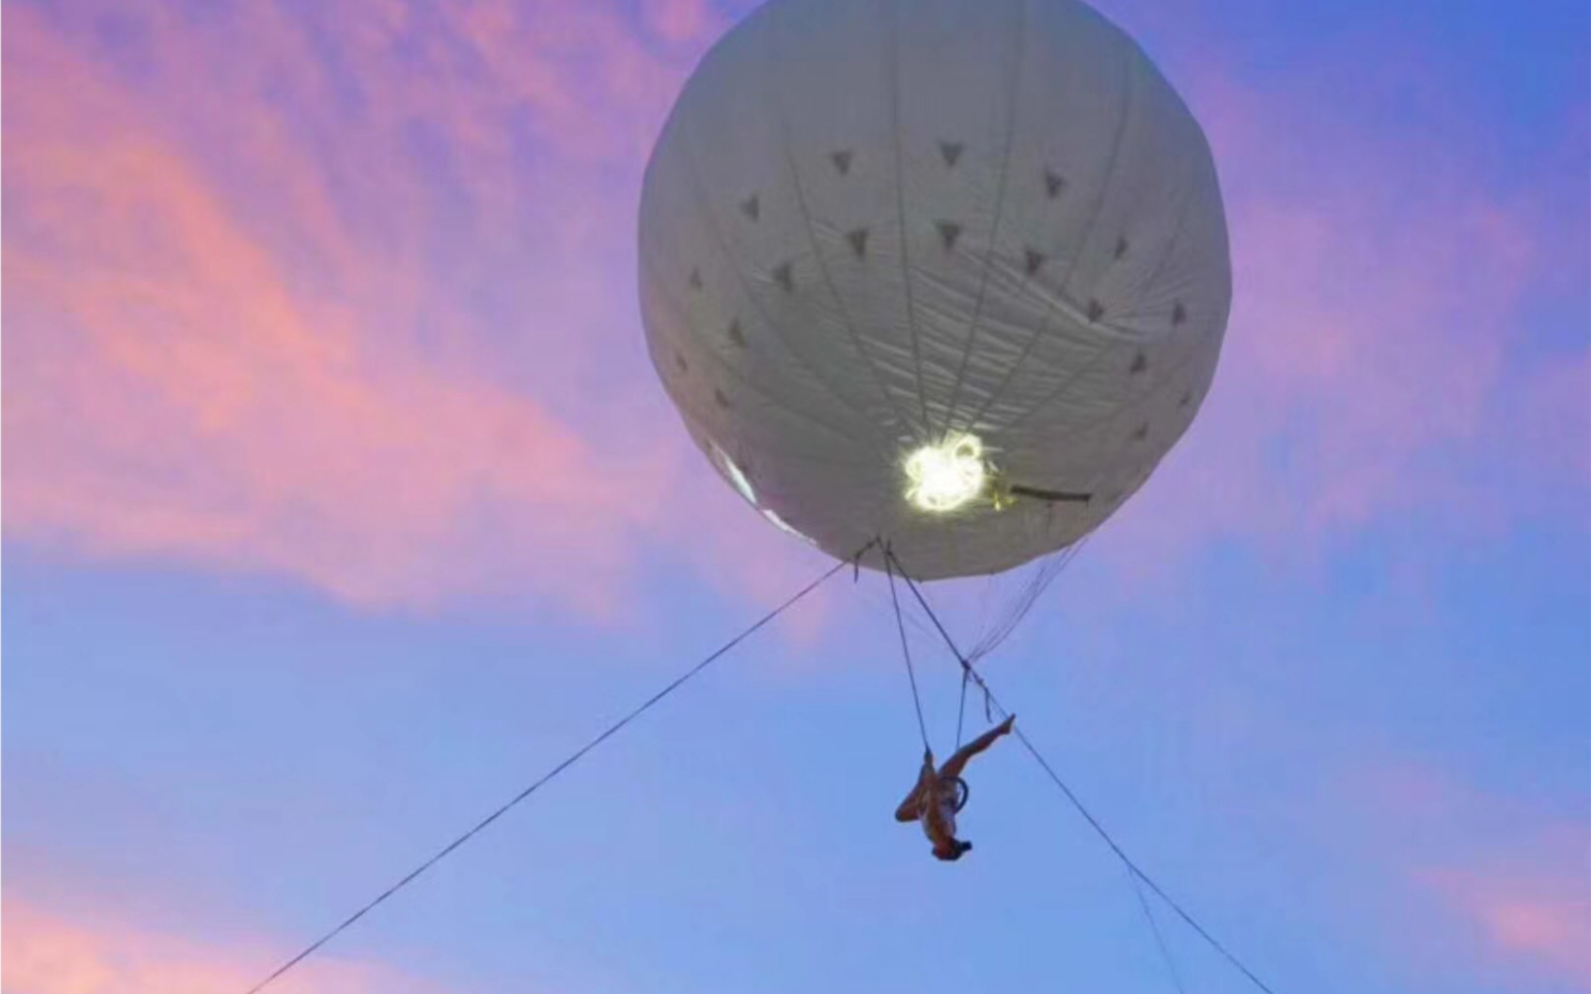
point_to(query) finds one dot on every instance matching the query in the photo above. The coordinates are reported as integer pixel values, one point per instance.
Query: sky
(341, 502)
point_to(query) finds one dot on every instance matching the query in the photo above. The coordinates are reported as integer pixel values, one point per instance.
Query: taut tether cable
(573, 758)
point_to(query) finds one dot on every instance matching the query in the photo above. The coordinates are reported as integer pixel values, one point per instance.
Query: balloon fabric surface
(952, 273)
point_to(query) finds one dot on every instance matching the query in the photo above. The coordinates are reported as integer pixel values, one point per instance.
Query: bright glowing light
(946, 476)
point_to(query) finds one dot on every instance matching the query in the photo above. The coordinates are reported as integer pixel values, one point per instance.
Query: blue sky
(1326, 676)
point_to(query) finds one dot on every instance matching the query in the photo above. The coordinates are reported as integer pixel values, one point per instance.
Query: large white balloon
(931, 270)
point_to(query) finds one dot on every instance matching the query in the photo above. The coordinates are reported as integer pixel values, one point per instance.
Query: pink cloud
(176, 386)
(46, 953)
(593, 87)
(681, 21)
(1512, 882)
(1541, 921)
(1529, 903)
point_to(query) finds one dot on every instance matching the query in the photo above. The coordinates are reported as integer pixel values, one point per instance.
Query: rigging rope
(1160, 940)
(961, 709)
(905, 647)
(1127, 861)
(573, 758)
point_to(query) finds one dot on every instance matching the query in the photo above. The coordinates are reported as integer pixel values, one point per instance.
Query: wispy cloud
(48, 953)
(237, 379)
(1536, 915)
(1510, 878)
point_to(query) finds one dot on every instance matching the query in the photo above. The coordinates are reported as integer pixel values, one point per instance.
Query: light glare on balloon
(949, 475)
(736, 476)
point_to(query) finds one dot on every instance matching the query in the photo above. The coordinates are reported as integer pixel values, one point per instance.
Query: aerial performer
(940, 793)
(940, 280)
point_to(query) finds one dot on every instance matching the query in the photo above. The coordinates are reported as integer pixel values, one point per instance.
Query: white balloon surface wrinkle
(906, 264)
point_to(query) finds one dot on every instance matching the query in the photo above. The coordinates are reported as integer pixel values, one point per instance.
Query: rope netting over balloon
(1005, 599)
